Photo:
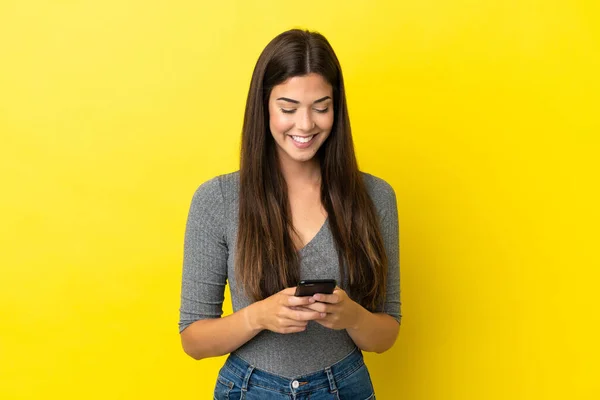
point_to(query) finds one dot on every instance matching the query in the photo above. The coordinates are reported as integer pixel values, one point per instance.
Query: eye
(293, 110)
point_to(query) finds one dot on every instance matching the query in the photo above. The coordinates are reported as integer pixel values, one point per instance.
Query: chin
(305, 159)
(300, 158)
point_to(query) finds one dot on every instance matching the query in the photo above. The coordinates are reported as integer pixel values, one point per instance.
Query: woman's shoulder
(377, 187)
(222, 188)
(382, 194)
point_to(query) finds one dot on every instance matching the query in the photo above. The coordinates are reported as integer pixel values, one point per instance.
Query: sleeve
(390, 233)
(205, 256)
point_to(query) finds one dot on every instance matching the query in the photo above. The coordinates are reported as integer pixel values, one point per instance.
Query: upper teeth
(302, 139)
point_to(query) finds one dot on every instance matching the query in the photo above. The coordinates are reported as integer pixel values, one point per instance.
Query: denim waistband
(327, 377)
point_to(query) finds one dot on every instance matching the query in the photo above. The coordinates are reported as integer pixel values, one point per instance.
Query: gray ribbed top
(208, 263)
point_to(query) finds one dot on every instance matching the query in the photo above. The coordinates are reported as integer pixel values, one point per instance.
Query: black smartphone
(312, 286)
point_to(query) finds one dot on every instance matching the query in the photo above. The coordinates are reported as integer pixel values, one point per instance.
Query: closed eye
(293, 110)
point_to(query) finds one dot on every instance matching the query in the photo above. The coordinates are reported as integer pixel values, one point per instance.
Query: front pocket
(357, 385)
(222, 388)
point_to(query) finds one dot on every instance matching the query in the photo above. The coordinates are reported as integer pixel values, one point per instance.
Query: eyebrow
(297, 102)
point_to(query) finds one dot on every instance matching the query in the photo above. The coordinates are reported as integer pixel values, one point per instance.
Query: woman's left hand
(338, 310)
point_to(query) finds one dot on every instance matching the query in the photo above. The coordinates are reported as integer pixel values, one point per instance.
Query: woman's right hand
(283, 312)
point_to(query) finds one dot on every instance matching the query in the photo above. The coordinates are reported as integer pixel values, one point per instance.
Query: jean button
(295, 384)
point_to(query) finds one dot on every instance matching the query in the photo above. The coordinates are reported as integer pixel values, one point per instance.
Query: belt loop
(332, 386)
(247, 378)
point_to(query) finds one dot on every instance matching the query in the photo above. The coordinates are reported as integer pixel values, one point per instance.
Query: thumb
(289, 291)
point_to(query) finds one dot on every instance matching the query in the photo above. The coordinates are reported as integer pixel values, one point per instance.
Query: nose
(305, 121)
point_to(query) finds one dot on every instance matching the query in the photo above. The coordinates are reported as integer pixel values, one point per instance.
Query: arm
(374, 331)
(205, 274)
(218, 336)
(203, 332)
(378, 331)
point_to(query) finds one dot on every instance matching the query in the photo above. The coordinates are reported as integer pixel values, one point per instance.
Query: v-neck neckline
(309, 243)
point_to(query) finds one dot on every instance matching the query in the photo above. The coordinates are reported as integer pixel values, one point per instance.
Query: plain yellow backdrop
(483, 115)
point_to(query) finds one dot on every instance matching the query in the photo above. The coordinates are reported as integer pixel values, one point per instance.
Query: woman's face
(301, 116)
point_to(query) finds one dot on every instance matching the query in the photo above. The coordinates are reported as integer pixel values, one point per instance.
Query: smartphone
(312, 286)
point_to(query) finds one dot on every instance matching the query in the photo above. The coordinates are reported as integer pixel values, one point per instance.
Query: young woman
(298, 208)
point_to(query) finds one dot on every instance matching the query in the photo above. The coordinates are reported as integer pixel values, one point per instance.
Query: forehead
(306, 88)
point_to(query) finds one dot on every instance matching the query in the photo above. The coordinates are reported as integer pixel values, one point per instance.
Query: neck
(301, 173)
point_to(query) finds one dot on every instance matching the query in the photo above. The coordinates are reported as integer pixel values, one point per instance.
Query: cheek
(280, 123)
(325, 122)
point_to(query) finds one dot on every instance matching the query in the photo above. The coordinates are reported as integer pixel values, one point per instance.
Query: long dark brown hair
(267, 260)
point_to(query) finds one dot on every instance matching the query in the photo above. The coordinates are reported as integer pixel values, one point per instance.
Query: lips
(303, 142)
(303, 139)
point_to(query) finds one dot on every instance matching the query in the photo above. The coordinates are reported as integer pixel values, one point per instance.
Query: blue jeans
(346, 379)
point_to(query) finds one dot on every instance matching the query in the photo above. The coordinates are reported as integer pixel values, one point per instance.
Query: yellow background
(483, 115)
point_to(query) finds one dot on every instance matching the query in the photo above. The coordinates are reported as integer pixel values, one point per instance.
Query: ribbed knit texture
(209, 250)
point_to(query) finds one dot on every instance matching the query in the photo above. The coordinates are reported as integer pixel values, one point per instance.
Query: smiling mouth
(302, 139)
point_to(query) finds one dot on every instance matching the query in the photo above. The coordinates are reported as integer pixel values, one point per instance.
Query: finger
(327, 298)
(300, 301)
(291, 322)
(310, 308)
(324, 322)
(289, 291)
(319, 307)
(301, 308)
(292, 329)
(305, 315)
